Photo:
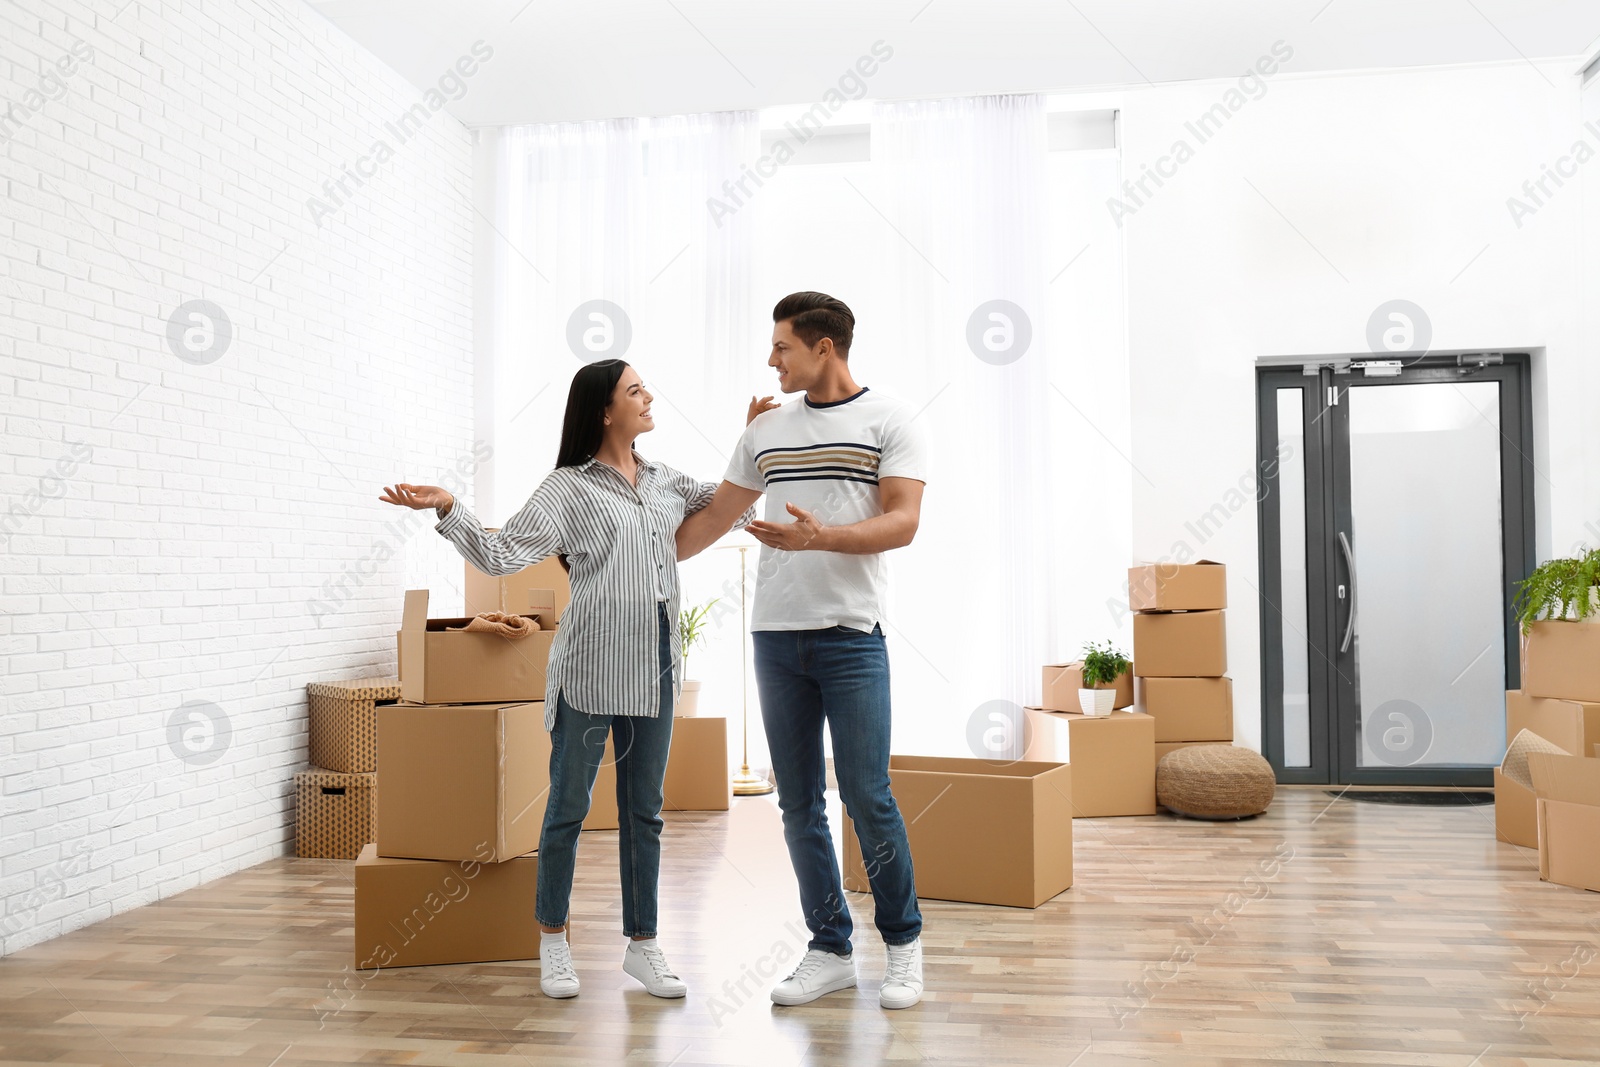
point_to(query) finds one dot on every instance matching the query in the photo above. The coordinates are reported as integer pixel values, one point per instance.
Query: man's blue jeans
(577, 747)
(840, 677)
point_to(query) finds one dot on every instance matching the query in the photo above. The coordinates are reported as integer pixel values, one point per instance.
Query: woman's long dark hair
(583, 428)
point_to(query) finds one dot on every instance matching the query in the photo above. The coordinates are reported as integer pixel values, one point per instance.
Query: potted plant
(1102, 666)
(692, 623)
(1561, 589)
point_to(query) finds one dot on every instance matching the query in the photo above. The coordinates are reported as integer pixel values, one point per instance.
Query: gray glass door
(1396, 520)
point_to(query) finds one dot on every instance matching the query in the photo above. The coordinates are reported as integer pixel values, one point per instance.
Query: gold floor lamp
(745, 784)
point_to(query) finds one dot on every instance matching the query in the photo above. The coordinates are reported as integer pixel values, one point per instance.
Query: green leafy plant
(1559, 589)
(692, 624)
(1102, 664)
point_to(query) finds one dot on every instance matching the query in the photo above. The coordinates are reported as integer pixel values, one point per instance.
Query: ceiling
(577, 59)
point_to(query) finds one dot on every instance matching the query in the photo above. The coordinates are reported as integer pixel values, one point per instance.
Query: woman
(612, 515)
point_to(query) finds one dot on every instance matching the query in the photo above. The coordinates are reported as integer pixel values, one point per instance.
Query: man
(843, 472)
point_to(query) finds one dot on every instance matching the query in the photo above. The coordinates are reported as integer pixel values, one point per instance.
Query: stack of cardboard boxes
(336, 801)
(698, 777)
(1180, 652)
(1556, 806)
(1113, 771)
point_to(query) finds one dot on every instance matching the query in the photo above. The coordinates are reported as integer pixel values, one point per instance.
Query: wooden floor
(1327, 931)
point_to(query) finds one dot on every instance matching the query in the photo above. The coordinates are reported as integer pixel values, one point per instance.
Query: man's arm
(895, 528)
(715, 519)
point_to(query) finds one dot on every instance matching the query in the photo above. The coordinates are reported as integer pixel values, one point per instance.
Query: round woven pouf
(1214, 782)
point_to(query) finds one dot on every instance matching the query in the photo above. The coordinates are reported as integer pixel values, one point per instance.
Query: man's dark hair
(813, 316)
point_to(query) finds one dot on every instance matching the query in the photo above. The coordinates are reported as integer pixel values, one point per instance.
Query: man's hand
(805, 532)
(765, 403)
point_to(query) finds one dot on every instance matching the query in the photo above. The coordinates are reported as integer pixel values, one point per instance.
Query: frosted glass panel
(1425, 512)
(1292, 577)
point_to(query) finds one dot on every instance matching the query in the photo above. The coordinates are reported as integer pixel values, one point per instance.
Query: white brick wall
(175, 531)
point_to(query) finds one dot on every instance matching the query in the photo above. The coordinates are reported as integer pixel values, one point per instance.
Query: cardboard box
(1189, 709)
(698, 776)
(509, 592)
(1163, 747)
(412, 913)
(1571, 724)
(441, 667)
(1516, 819)
(343, 722)
(335, 813)
(1562, 660)
(1063, 680)
(980, 832)
(1568, 788)
(1196, 586)
(1112, 757)
(1180, 644)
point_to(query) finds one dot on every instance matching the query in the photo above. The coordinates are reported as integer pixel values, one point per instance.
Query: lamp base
(746, 784)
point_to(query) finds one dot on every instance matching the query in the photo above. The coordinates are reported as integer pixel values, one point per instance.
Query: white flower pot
(688, 700)
(1096, 701)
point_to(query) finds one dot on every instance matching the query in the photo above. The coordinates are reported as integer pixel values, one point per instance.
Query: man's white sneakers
(817, 974)
(645, 961)
(557, 977)
(902, 977)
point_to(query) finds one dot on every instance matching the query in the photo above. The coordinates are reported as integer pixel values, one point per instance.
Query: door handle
(1350, 565)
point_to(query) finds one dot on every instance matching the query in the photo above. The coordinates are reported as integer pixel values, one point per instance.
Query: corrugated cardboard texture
(1063, 680)
(1112, 757)
(1183, 644)
(335, 814)
(1572, 725)
(1516, 819)
(979, 832)
(467, 781)
(1195, 586)
(509, 592)
(414, 912)
(343, 722)
(1562, 660)
(440, 667)
(698, 777)
(1189, 709)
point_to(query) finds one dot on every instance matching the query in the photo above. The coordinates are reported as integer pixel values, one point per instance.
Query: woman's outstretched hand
(765, 403)
(419, 497)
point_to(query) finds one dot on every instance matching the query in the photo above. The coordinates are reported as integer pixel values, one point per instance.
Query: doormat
(1455, 798)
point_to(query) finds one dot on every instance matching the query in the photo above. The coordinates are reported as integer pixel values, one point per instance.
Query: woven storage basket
(344, 722)
(1214, 782)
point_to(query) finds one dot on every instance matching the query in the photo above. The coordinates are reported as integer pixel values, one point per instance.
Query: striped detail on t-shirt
(845, 461)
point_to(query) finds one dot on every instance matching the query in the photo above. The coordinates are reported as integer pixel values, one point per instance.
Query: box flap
(1573, 779)
(416, 612)
(1525, 744)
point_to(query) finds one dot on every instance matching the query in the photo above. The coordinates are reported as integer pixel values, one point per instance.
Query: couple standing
(843, 473)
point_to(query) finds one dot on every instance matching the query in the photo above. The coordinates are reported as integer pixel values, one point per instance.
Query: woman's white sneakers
(817, 974)
(902, 977)
(645, 961)
(557, 976)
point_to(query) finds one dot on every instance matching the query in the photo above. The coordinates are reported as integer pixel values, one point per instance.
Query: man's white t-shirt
(828, 460)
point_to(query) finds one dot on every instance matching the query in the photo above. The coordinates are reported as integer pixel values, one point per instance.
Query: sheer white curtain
(963, 186)
(616, 211)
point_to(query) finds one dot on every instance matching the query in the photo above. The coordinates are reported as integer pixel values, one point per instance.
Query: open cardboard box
(412, 913)
(1568, 788)
(1180, 644)
(440, 666)
(980, 832)
(1195, 586)
(1189, 709)
(1063, 680)
(509, 592)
